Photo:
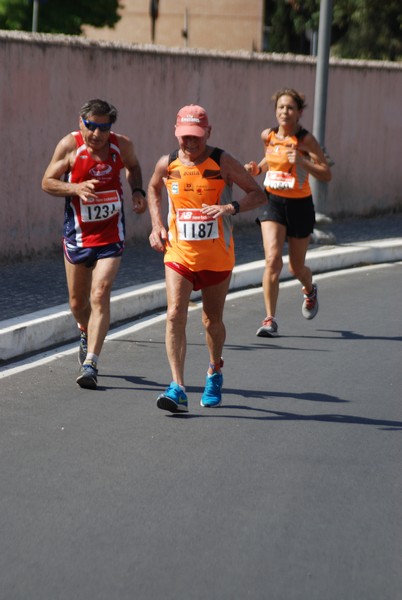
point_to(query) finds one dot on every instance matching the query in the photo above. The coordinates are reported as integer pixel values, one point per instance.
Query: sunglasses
(94, 126)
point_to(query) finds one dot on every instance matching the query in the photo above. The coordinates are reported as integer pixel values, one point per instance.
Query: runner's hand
(139, 203)
(216, 210)
(86, 189)
(158, 238)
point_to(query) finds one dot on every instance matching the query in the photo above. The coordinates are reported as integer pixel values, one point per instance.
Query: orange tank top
(283, 178)
(195, 240)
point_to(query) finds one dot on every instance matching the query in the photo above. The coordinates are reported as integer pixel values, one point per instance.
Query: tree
(361, 29)
(371, 29)
(59, 16)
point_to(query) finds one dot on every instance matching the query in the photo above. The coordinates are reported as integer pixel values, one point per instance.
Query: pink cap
(191, 120)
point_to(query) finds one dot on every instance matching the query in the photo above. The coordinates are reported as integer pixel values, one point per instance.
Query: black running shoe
(88, 376)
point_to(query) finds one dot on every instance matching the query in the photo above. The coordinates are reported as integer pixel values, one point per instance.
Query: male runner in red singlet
(85, 169)
(198, 244)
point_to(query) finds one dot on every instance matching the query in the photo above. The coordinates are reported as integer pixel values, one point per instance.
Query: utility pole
(184, 31)
(154, 13)
(35, 10)
(320, 188)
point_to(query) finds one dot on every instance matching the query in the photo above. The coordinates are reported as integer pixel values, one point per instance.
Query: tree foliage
(361, 29)
(59, 16)
(371, 30)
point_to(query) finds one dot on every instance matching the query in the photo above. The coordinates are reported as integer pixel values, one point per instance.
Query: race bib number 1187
(194, 226)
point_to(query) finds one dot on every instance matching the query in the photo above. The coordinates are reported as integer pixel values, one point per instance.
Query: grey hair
(98, 108)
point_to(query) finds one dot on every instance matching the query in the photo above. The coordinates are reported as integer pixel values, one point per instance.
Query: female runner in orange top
(291, 155)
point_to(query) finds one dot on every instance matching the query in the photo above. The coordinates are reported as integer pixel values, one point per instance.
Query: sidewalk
(34, 313)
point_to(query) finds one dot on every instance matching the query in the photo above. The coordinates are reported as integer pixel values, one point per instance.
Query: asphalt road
(290, 491)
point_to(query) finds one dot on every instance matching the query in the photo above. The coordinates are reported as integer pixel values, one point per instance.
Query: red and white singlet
(100, 221)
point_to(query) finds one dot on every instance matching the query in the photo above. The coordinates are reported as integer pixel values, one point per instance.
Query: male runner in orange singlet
(198, 244)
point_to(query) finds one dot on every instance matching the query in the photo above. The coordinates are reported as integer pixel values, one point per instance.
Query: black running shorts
(296, 214)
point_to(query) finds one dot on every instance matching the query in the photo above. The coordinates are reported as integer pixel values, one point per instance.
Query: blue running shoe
(212, 395)
(88, 376)
(83, 348)
(173, 399)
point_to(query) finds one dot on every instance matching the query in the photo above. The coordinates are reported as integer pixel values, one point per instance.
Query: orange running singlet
(195, 240)
(284, 178)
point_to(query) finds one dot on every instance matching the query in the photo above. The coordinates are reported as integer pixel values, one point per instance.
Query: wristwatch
(236, 206)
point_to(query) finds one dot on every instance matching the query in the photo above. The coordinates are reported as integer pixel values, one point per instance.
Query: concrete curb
(45, 328)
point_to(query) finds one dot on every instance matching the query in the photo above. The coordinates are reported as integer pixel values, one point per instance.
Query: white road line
(61, 351)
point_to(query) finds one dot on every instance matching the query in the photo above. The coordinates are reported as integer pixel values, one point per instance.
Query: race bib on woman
(278, 180)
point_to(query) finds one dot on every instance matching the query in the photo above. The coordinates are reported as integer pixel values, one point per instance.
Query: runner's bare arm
(261, 167)
(133, 172)
(59, 165)
(158, 235)
(310, 156)
(233, 172)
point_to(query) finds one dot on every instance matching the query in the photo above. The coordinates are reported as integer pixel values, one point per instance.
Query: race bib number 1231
(104, 206)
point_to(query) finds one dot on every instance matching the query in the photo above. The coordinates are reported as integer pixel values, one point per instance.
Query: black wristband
(138, 189)
(236, 206)
(259, 170)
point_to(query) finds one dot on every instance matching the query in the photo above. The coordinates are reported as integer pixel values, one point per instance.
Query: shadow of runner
(274, 415)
